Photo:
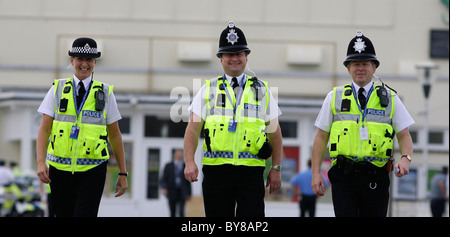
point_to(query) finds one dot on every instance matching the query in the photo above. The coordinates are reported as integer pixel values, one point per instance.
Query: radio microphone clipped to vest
(100, 99)
(382, 92)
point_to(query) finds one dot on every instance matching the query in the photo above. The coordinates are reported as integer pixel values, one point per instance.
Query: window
(158, 127)
(413, 136)
(436, 138)
(288, 129)
(124, 125)
(153, 159)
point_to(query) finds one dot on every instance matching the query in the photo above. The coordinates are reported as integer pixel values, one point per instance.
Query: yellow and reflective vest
(90, 147)
(223, 146)
(347, 134)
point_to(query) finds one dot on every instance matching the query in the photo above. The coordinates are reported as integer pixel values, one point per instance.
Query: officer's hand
(43, 174)
(318, 185)
(273, 180)
(191, 172)
(121, 185)
(403, 167)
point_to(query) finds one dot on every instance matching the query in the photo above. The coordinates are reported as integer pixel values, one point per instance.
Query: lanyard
(238, 97)
(78, 107)
(367, 99)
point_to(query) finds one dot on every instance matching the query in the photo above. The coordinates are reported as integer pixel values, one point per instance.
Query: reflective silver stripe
(354, 117)
(341, 117)
(220, 112)
(87, 117)
(338, 100)
(378, 119)
(68, 161)
(58, 93)
(93, 120)
(65, 118)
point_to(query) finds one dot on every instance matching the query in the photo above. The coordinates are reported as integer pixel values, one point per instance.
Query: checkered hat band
(84, 50)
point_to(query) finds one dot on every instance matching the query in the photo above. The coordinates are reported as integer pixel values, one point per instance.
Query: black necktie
(361, 98)
(235, 86)
(81, 93)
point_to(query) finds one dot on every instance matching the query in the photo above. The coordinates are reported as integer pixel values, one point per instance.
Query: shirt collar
(239, 78)
(86, 82)
(366, 87)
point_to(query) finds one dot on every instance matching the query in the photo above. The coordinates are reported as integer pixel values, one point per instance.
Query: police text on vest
(90, 113)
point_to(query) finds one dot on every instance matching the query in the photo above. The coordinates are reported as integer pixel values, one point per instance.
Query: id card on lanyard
(363, 131)
(233, 122)
(75, 129)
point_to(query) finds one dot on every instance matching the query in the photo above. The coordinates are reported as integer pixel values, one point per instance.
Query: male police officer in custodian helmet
(79, 115)
(360, 121)
(241, 131)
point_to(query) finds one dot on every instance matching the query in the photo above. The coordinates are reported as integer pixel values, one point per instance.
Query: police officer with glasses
(360, 120)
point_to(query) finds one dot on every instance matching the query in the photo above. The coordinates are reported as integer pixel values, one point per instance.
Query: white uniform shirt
(199, 100)
(48, 104)
(401, 119)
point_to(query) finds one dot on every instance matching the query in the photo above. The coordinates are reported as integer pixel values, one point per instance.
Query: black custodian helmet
(361, 48)
(232, 40)
(84, 48)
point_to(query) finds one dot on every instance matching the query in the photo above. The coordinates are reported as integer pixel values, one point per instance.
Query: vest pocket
(252, 141)
(348, 139)
(59, 141)
(218, 134)
(93, 141)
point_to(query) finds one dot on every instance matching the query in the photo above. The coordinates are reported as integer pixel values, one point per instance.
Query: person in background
(307, 198)
(176, 188)
(438, 193)
(6, 174)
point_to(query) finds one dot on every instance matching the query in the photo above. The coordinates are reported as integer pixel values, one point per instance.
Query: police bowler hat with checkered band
(232, 40)
(84, 48)
(361, 48)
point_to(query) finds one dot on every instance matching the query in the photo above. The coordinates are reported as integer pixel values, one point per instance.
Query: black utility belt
(350, 166)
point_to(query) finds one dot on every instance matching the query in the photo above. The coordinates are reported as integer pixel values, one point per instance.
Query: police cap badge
(361, 48)
(232, 40)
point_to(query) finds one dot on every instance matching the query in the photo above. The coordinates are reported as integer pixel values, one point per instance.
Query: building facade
(158, 53)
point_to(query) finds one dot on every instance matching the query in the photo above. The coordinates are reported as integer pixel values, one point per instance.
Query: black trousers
(177, 201)
(308, 204)
(360, 193)
(437, 207)
(77, 194)
(233, 191)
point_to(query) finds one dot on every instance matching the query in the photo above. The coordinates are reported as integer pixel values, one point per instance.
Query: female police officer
(78, 116)
(360, 120)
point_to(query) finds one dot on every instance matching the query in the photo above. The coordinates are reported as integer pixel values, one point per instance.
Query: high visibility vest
(361, 134)
(222, 145)
(89, 149)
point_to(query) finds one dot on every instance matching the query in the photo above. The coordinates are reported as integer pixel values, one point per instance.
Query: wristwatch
(124, 174)
(407, 157)
(277, 167)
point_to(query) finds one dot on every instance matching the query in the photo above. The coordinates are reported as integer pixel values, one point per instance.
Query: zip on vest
(75, 129)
